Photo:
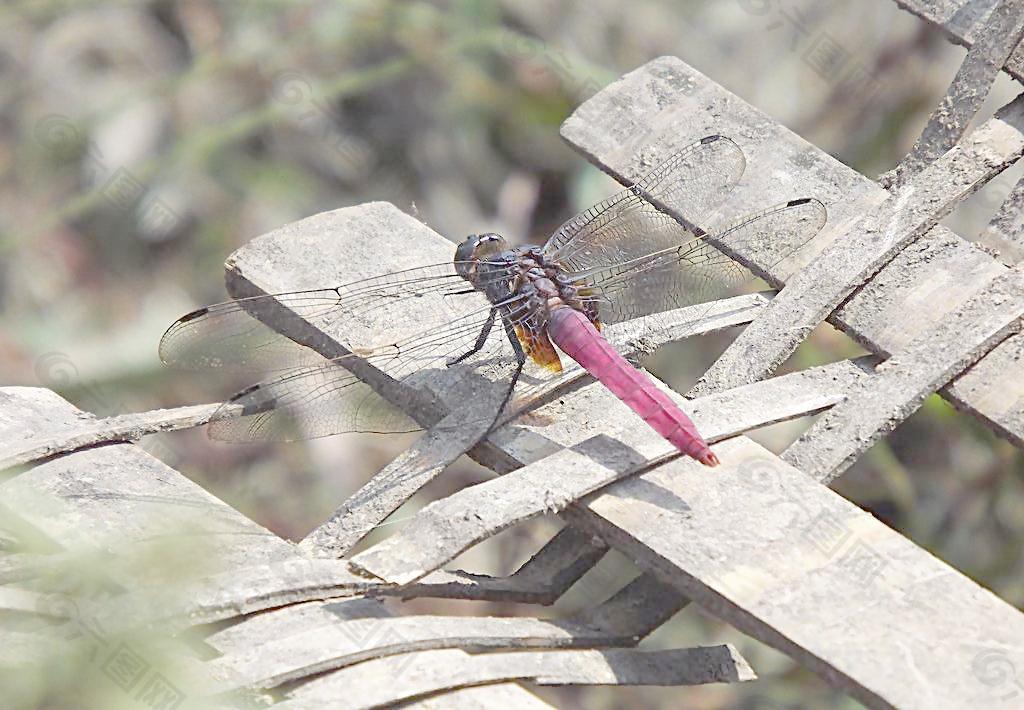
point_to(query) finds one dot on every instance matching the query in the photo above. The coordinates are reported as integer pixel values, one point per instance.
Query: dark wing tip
(165, 339)
(254, 399)
(805, 201)
(193, 315)
(711, 139)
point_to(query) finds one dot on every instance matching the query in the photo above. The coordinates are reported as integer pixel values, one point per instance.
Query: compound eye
(465, 253)
(467, 250)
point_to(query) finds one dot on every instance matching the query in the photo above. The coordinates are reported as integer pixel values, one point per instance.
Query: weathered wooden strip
(93, 432)
(396, 483)
(542, 579)
(304, 640)
(635, 122)
(963, 21)
(346, 642)
(769, 549)
(999, 35)
(443, 529)
(636, 610)
(120, 499)
(1005, 232)
(877, 404)
(864, 247)
(268, 627)
(239, 591)
(248, 590)
(387, 681)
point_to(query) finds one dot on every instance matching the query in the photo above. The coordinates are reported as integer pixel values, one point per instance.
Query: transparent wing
(693, 182)
(335, 340)
(702, 267)
(333, 397)
(247, 332)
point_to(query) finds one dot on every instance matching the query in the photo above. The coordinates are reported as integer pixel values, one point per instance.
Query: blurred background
(142, 142)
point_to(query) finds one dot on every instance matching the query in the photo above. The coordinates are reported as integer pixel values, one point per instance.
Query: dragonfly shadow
(643, 490)
(617, 456)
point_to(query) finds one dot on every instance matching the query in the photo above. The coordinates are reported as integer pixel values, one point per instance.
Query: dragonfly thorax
(522, 277)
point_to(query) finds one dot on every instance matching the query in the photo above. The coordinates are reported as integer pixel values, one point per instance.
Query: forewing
(703, 267)
(334, 397)
(693, 182)
(247, 332)
(399, 329)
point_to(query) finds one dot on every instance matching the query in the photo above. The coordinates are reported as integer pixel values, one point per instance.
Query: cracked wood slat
(239, 591)
(301, 641)
(452, 437)
(998, 36)
(396, 483)
(877, 404)
(786, 560)
(634, 611)
(862, 248)
(1005, 232)
(386, 681)
(120, 498)
(963, 21)
(447, 527)
(542, 579)
(633, 123)
(248, 590)
(88, 431)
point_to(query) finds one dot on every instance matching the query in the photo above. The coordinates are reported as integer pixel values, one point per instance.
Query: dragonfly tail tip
(709, 459)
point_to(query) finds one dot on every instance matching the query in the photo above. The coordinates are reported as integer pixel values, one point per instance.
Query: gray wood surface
(542, 579)
(1004, 234)
(779, 556)
(877, 404)
(996, 39)
(396, 483)
(371, 685)
(445, 528)
(646, 115)
(963, 21)
(87, 431)
(859, 250)
(121, 506)
(119, 498)
(313, 638)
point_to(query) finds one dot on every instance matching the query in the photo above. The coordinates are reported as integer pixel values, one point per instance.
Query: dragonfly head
(476, 248)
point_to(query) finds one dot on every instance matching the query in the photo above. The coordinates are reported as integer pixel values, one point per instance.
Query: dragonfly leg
(480, 340)
(520, 363)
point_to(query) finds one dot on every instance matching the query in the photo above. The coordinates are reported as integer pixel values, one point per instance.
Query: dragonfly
(500, 309)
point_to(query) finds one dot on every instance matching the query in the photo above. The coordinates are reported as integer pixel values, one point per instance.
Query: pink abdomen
(573, 332)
